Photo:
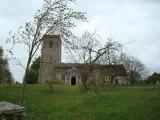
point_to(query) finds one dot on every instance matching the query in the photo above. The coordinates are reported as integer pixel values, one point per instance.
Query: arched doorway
(73, 80)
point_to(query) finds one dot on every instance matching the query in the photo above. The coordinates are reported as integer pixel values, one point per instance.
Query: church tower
(50, 57)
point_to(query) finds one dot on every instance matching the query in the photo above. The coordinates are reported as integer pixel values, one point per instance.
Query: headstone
(10, 111)
(158, 82)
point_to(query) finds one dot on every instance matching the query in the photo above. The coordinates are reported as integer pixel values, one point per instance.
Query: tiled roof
(117, 69)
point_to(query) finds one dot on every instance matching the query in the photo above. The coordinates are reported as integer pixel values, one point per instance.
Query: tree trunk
(24, 81)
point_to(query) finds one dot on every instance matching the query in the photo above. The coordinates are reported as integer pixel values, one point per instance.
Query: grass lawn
(71, 103)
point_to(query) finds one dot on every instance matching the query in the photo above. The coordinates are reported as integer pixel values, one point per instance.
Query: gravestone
(10, 111)
(158, 82)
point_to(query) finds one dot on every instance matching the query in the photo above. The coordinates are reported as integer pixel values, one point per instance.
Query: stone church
(51, 67)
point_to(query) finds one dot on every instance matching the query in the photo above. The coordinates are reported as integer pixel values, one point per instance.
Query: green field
(71, 103)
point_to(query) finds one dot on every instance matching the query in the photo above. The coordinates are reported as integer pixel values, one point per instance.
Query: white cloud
(129, 21)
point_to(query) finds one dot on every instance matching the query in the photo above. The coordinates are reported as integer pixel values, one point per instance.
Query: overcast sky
(135, 21)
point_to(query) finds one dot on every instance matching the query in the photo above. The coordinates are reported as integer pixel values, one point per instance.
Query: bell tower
(50, 57)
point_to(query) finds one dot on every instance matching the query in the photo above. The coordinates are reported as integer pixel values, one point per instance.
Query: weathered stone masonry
(51, 67)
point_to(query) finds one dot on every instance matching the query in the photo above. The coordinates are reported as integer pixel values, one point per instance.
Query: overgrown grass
(71, 103)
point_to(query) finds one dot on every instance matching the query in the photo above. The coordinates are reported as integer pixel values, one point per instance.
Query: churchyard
(67, 102)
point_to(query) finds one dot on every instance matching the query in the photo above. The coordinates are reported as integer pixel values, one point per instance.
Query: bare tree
(112, 55)
(55, 17)
(88, 50)
(134, 67)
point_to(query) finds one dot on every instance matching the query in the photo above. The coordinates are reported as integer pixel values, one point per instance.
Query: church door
(73, 80)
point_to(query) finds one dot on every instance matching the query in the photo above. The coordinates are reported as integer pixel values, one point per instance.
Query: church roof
(117, 69)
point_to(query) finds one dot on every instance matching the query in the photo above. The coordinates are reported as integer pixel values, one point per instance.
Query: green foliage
(71, 103)
(5, 74)
(35, 64)
(31, 77)
(32, 74)
(154, 78)
(54, 17)
(1, 52)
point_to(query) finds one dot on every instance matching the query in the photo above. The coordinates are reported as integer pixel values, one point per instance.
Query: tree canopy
(32, 74)
(133, 66)
(5, 74)
(154, 78)
(55, 17)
